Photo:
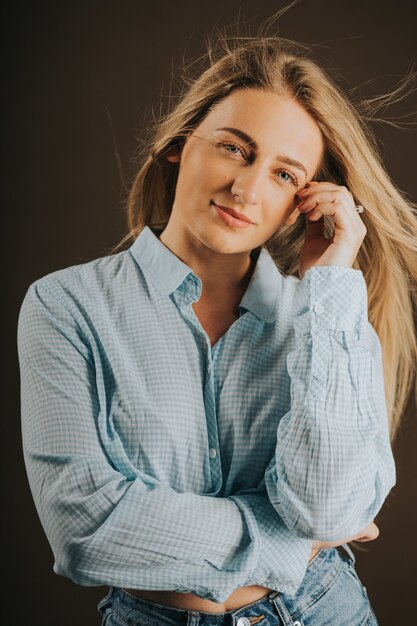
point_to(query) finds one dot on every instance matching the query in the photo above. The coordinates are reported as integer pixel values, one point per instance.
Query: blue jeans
(330, 594)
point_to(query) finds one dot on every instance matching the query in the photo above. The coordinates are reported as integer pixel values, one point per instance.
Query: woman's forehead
(256, 105)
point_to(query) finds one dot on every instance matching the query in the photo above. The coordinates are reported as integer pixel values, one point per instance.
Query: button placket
(210, 407)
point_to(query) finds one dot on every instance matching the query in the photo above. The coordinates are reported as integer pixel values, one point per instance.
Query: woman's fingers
(369, 533)
(330, 202)
(341, 248)
(323, 198)
(309, 199)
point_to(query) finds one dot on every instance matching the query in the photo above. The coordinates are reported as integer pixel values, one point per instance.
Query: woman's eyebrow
(250, 141)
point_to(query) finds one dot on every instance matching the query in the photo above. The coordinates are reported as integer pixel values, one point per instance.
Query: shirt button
(212, 453)
(243, 621)
(209, 366)
(319, 308)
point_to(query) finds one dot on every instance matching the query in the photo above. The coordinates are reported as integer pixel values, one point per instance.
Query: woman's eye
(230, 147)
(287, 177)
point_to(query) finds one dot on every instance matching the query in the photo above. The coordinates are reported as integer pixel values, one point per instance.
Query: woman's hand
(369, 533)
(317, 200)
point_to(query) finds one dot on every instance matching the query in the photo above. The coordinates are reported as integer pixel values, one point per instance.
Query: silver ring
(359, 208)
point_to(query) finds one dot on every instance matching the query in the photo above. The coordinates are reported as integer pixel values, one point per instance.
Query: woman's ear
(174, 153)
(292, 218)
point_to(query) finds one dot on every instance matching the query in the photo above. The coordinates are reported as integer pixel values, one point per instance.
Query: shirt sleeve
(105, 524)
(333, 465)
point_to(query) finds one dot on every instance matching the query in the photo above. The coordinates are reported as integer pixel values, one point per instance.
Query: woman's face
(258, 145)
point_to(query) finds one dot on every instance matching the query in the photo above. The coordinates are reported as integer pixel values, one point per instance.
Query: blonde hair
(387, 257)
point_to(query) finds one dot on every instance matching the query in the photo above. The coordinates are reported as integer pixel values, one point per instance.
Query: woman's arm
(107, 525)
(333, 465)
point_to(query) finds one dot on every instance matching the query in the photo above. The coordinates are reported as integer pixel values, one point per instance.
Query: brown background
(68, 69)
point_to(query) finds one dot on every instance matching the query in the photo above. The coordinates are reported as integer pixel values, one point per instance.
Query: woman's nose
(248, 185)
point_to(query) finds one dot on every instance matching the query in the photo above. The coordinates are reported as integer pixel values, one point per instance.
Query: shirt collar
(168, 272)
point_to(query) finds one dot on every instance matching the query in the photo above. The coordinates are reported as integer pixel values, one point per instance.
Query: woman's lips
(231, 217)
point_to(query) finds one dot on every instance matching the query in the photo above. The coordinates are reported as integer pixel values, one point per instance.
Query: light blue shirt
(157, 461)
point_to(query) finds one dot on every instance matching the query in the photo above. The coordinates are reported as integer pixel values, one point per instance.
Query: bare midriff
(190, 602)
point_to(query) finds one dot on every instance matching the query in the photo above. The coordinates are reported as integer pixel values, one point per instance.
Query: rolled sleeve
(333, 465)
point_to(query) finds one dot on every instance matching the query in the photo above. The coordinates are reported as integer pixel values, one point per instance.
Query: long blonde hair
(387, 257)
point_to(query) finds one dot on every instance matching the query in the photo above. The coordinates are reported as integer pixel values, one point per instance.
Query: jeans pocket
(333, 594)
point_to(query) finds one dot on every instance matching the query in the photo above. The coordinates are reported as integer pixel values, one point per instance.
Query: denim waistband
(325, 567)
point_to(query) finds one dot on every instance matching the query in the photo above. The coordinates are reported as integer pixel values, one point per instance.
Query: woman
(205, 421)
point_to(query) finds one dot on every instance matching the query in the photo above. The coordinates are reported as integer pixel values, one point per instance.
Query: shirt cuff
(331, 297)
